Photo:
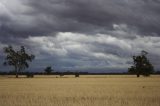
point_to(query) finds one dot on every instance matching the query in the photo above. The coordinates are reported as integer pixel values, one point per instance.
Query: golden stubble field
(83, 91)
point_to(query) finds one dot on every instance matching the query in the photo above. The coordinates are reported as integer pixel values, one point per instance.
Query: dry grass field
(83, 91)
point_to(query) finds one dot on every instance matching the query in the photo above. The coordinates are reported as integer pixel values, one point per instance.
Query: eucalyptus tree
(17, 58)
(141, 65)
(48, 70)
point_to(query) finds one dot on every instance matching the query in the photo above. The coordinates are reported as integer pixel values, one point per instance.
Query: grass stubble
(83, 91)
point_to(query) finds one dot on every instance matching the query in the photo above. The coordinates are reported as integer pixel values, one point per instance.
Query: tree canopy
(141, 65)
(48, 70)
(18, 59)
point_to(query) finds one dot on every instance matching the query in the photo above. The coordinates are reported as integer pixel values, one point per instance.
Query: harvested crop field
(84, 91)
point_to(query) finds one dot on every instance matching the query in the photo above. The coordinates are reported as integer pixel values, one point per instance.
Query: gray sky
(88, 35)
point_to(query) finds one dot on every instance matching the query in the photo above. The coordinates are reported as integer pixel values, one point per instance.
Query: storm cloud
(82, 35)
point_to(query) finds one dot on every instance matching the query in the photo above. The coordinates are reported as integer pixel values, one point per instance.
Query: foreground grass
(84, 91)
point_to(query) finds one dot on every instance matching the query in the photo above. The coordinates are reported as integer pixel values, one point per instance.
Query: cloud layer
(82, 35)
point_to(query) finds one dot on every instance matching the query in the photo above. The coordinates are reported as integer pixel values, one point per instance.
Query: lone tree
(48, 70)
(18, 59)
(141, 65)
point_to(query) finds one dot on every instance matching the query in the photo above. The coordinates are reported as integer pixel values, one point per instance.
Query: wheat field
(84, 91)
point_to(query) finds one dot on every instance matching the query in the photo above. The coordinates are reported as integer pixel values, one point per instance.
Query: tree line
(20, 59)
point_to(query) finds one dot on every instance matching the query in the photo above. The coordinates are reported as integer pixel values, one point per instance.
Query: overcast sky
(85, 35)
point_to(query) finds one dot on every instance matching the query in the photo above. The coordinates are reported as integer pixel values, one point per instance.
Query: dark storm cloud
(82, 34)
(84, 16)
(143, 15)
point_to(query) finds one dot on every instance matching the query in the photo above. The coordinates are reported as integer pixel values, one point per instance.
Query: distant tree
(29, 75)
(77, 74)
(157, 72)
(18, 59)
(61, 74)
(48, 70)
(141, 65)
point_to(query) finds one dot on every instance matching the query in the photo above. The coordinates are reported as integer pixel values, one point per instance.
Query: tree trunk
(16, 71)
(138, 75)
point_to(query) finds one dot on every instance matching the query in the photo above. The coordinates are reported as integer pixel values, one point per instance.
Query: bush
(76, 74)
(30, 75)
(61, 75)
